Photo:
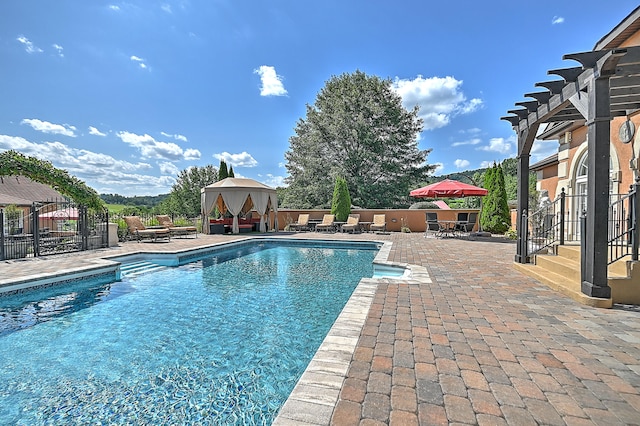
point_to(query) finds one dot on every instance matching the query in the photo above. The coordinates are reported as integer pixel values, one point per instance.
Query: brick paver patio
(480, 344)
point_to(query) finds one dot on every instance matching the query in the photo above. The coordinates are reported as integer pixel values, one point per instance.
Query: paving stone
(429, 392)
(543, 412)
(403, 398)
(346, 413)
(459, 409)
(430, 414)
(376, 406)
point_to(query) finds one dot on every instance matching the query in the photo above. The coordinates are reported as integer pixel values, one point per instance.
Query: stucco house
(593, 111)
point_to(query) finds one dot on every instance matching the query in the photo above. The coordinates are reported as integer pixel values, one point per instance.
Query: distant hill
(140, 201)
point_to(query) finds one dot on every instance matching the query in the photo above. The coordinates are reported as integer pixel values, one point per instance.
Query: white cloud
(501, 145)
(557, 20)
(471, 131)
(96, 132)
(167, 168)
(244, 159)
(192, 154)
(114, 7)
(486, 164)
(141, 62)
(166, 7)
(176, 137)
(461, 164)
(542, 149)
(271, 82)
(272, 181)
(474, 141)
(28, 46)
(59, 49)
(150, 148)
(101, 171)
(46, 127)
(439, 99)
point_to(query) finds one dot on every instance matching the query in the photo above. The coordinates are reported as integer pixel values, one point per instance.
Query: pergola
(606, 85)
(235, 194)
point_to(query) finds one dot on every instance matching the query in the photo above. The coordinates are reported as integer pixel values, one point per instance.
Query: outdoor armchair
(353, 223)
(379, 223)
(327, 223)
(302, 224)
(165, 221)
(138, 231)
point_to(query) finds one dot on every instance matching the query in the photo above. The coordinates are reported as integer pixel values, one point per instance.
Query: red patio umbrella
(448, 188)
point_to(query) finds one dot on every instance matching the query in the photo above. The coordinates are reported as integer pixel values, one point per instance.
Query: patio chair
(302, 224)
(138, 231)
(165, 221)
(327, 223)
(470, 224)
(379, 223)
(353, 223)
(461, 222)
(433, 225)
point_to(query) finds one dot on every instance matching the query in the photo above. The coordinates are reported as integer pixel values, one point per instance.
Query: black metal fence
(49, 228)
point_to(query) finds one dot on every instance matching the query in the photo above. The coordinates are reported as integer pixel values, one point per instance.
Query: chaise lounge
(165, 221)
(138, 231)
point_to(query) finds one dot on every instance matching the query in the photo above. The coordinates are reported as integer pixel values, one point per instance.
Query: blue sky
(125, 94)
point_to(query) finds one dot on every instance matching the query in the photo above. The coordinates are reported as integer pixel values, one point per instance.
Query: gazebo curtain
(237, 194)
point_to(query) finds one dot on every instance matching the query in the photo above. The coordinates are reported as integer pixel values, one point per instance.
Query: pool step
(138, 268)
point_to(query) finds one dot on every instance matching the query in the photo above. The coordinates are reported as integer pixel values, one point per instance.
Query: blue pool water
(221, 340)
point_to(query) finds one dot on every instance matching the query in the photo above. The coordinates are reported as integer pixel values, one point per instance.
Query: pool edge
(316, 394)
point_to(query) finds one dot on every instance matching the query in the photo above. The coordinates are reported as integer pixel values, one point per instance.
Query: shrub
(341, 204)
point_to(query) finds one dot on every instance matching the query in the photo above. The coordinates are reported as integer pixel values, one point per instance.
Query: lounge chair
(138, 231)
(379, 223)
(353, 223)
(165, 221)
(433, 225)
(302, 224)
(327, 223)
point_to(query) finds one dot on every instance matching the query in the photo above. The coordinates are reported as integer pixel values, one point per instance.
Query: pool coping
(316, 393)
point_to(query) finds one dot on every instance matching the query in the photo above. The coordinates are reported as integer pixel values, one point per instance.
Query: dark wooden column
(594, 257)
(522, 253)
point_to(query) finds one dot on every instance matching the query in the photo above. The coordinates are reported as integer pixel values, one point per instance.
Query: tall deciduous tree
(495, 211)
(184, 198)
(358, 129)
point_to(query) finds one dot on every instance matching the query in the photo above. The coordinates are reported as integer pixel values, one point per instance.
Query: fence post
(583, 245)
(562, 213)
(35, 226)
(84, 226)
(635, 215)
(2, 234)
(524, 236)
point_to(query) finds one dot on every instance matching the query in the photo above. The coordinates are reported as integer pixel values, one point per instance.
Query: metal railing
(49, 228)
(563, 221)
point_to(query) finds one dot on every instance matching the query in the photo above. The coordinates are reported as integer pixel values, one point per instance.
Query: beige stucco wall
(414, 219)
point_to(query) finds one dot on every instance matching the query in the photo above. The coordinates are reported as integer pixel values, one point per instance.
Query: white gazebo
(237, 195)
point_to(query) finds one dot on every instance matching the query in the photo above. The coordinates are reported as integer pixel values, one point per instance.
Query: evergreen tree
(358, 129)
(231, 174)
(223, 173)
(341, 204)
(495, 217)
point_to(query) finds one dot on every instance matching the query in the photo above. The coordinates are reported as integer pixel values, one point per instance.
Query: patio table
(448, 228)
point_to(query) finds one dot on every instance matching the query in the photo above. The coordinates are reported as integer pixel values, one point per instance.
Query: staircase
(138, 268)
(561, 272)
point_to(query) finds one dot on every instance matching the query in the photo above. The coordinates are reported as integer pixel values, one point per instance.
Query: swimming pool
(222, 339)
